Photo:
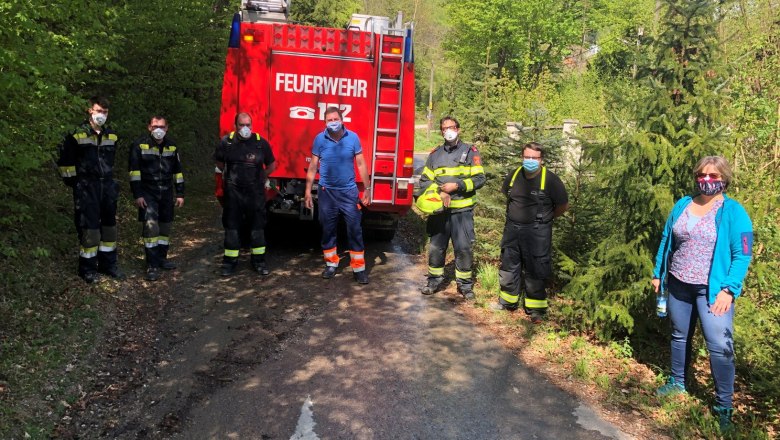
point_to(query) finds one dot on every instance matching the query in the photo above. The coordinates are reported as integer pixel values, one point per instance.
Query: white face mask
(158, 133)
(99, 118)
(450, 135)
(245, 132)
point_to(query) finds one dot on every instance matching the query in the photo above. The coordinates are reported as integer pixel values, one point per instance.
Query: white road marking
(305, 428)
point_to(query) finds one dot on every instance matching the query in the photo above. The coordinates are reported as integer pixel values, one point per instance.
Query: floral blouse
(693, 246)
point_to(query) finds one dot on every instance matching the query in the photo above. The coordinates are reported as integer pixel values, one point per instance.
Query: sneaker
(262, 269)
(467, 293)
(431, 287)
(724, 418)
(498, 307)
(168, 265)
(329, 272)
(361, 277)
(114, 272)
(90, 277)
(671, 388)
(228, 269)
(152, 274)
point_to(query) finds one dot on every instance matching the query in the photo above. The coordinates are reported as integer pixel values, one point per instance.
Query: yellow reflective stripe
(85, 140)
(170, 148)
(68, 171)
(453, 171)
(258, 250)
(144, 146)
(428, 173)
(80, 135)
(151, 242)
(135, 176)
(113, 137)
(544, 179)
(463, 275)
(231, 252)
(150, 152)
(179, 177)
(477, 169)
(88, 252)
(462, 203)
(535, 303)
(436, 271)
(469, 184)
(514, 176)
(163, 240)
(508, 297)
(107, 246)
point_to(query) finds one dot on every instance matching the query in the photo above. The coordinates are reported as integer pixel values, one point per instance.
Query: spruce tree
(660, 131)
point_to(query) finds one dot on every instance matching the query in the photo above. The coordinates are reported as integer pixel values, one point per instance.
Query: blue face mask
(530, 165)
(334, 126)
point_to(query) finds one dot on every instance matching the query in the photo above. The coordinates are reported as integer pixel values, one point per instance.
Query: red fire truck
(285, 76)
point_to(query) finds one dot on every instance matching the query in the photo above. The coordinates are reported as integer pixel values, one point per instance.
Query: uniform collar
(346, 133)
(450, 148)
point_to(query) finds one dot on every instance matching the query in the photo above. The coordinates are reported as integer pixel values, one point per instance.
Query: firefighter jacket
(155, 167)
(87, 155)
(461, 164)
(245, 160)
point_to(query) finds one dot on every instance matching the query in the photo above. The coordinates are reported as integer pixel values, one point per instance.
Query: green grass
(424, 143)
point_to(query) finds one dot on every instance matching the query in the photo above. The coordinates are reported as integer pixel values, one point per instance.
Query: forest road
(294, 356)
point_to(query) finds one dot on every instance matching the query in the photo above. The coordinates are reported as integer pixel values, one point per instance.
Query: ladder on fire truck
(389, 95)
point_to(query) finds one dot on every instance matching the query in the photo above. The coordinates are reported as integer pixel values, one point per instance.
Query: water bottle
(660, 303)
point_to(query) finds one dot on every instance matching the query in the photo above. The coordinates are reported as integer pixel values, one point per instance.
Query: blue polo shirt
(337, 159)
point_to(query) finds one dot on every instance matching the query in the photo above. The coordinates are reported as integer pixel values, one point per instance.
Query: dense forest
(654, 85)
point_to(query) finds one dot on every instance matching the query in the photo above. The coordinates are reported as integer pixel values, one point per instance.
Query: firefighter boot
(361, 277)
(228, 266)
(329, 272)
(467, 292)
(433, 285)
(152, 274)
(258, 263)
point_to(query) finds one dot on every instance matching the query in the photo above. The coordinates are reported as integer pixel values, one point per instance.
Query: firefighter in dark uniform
(535, 196)
(86, 164)
(456, 168)
(155, 172)
(245, 159)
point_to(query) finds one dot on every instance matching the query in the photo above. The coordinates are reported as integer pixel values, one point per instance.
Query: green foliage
(328, 13)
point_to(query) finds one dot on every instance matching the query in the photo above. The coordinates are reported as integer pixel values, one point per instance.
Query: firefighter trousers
(331, 205)
(94, 210)
(458, 227)
(157, 219)
(244, 205)
(525, 264)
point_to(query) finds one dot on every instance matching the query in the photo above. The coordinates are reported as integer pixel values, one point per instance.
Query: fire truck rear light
(403, 184)
(249, 38)
(395, 50)
(408, 161)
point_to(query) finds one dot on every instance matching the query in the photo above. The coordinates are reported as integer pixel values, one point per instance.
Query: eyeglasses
(158, 126)
(451, 127)
(533, 157)
(710, 176)
(244, 125)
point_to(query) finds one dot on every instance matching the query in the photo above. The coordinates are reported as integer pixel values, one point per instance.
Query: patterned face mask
(710, 187)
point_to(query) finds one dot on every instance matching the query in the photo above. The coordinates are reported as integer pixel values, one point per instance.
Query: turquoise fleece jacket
(733, 247)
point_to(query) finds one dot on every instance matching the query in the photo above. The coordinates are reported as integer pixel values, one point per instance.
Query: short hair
(449, 118)
(333, 109)
(158, 117)
(238, 115)
(536, 146)
(99, 100)
(720, 163)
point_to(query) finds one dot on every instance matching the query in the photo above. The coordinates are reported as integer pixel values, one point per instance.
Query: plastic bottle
(660, 303)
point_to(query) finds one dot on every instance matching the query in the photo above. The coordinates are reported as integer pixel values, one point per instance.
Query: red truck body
(286, 75)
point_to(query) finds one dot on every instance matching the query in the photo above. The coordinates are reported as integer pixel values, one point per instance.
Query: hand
(140, 202)
(449, 187)
(445, 199)
(307, 201)
(366, 199)
(179, 202)
(656, 284)
(722, 303)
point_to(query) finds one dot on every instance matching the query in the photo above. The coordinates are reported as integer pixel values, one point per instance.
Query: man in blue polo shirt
(335, 152)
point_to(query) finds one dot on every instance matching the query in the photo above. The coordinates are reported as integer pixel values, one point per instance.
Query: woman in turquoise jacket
(702, 260)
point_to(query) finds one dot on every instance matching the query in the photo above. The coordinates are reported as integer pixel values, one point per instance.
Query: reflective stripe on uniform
(231, 253)
(453, 171)
(508, 297)
(535, 303)
(462, 275)
(428, 173)
(331, 257)
(68, 171)
(107, 246)
(163, 240)
(514, 176)
(477, 169)
(108, 140)
(357, 260)
(258, 250)
(179, 177)
(135, 176)
(462, 203)
(469, 184)
(89, 252)
(436, 271)
(169, 150)
(151, 242)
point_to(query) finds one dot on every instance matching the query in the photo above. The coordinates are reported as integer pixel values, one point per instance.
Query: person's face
(158, 123)
(709, 174)
(449, 125)
(332, 117)
(96, 108)
(532, 154)
(243, 121)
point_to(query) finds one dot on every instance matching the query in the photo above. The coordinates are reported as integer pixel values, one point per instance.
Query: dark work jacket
(245, 159)
(155, 167)
(87, 155)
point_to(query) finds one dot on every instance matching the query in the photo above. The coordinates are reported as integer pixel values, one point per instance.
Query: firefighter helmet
(429, 202)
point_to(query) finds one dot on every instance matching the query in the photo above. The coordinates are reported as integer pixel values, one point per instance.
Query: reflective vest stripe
(469, 184)
(151, 242)
(535, 303)
(163, 240)
(179, 177)
(508, 297)
(68, 171)
(435, 271)
(453, 171)
(514, 176)
(89, 252)
(477, 169)
(107, 246)
(462, 275)
(258, 250)
(135, 176)
(428, 173)
(462, 203)
(232, 253)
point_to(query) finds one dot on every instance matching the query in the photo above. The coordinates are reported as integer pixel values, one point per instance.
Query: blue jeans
(687, 303)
